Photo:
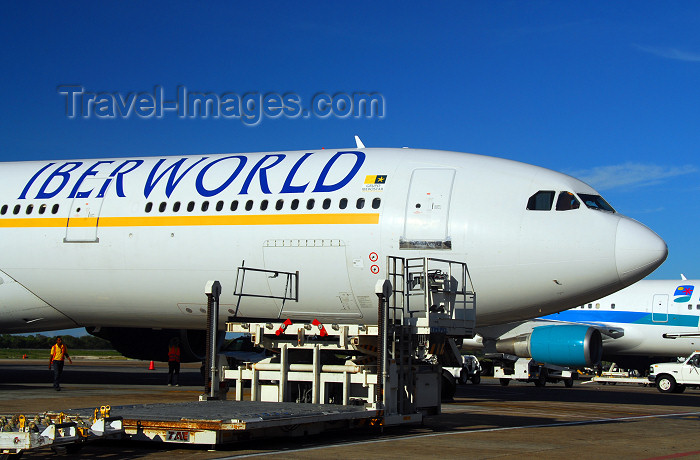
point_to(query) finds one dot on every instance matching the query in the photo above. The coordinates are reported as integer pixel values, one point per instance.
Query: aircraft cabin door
(428, 210)
(85, 213)
(659, 309)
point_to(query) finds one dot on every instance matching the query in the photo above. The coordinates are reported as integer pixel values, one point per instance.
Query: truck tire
(476, 379)
(542, 378)
(463, 377)
(504, 382)
(449, 386)
(568, 383)
(665, 383)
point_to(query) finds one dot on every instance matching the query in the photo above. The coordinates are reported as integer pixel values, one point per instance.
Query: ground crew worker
(174, 362)
(58, 353)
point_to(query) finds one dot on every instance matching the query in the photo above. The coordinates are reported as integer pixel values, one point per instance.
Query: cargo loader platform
(219, 421)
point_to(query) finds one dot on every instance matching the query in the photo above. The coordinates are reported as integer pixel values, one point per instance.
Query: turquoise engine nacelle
(568, 345)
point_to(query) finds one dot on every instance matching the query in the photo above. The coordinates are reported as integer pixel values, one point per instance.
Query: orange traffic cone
(152, 367)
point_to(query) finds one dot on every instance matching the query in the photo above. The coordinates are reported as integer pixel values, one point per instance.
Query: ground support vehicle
(615, 375)
(398, 367)
(507, 368)
(469, 371)
(63, 433)
(676, 377)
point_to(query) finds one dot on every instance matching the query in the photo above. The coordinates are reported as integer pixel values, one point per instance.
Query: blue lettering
(120, 178)
(173, 180)
(321, 187)
(23, 195)
(90, 172)
(288, 187)
(263, 174)
(200, 177)
(59, 172)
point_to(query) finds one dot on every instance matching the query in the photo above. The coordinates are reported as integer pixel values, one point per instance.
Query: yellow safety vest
(58, 352)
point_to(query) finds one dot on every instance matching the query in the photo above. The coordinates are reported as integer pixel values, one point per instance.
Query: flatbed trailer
(613, 379)
(615, 375)
(216, 422)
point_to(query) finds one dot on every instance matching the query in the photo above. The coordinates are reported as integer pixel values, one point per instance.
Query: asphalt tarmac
(483, 421)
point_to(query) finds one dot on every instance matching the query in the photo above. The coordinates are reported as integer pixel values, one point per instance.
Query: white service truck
(529, 370)
(470, 370)
(675, 377)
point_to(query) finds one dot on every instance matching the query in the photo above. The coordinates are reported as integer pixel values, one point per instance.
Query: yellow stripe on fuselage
(182, 221)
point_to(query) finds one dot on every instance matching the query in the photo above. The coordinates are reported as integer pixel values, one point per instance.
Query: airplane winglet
(683, 277)
(359, 143)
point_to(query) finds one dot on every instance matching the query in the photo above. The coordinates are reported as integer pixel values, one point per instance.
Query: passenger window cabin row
(263, 205)
(219, 206)
(612, 306)
(29, 209)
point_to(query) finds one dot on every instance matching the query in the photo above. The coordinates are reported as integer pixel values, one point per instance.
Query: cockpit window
(541, 201)
(567, 201)
(595, 202)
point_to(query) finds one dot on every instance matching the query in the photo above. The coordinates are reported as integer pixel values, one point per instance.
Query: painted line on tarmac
(450, 433)
(684, 454)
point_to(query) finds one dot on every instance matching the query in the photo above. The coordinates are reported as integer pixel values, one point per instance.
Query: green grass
(17, 353)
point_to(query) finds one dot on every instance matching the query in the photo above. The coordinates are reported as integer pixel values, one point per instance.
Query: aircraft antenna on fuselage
(359, 143)
(683, 277)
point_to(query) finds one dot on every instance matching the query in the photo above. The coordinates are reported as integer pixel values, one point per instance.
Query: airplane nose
(638, 250)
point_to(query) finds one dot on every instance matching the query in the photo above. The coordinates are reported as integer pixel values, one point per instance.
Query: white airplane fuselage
(651, 318)
(131, 242)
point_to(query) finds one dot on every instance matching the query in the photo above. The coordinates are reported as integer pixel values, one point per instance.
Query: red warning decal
(374, 269)
(373, 256)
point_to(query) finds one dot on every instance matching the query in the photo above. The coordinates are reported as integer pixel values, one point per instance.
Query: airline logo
(240, 175)
(374, 183)
(375, 179)
(683, 294)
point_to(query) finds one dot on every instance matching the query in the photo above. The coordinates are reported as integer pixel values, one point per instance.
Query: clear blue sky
(607, 92)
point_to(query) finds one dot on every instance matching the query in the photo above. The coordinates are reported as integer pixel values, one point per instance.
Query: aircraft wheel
(504, 382)
(665, 383)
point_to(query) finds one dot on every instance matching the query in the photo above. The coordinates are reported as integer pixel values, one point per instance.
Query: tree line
(39, 341)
